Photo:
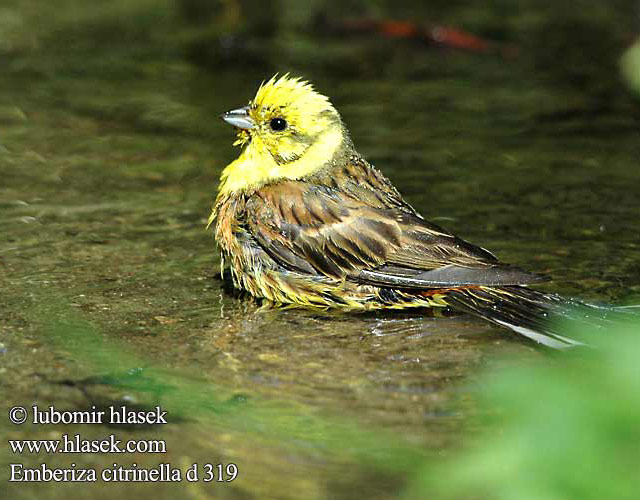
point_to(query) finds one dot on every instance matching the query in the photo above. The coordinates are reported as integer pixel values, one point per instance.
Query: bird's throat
(256, 167)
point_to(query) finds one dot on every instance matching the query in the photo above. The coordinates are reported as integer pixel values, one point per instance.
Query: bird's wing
(323, 231)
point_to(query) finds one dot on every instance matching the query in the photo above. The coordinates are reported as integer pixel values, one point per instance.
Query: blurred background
(513, 124)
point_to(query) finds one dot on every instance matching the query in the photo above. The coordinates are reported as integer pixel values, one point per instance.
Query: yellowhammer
(302, 218)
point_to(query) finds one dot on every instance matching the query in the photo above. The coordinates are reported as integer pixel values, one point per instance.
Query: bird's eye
(278, 124)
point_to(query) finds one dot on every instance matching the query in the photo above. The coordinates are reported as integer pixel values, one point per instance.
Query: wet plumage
(302, 218)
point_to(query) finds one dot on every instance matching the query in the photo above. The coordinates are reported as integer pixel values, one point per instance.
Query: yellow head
(288, 131)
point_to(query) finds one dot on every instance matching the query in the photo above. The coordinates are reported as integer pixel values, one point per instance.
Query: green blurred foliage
(564, 428)
(631, 67)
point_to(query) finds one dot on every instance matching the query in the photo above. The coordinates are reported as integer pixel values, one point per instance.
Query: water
(110, 149)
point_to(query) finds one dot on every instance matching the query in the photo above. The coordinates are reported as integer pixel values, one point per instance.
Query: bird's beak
(239, 118)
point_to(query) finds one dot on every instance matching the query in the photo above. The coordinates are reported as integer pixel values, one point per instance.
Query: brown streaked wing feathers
(315, 229)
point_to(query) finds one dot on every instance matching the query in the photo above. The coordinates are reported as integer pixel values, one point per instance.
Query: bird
(303, 219)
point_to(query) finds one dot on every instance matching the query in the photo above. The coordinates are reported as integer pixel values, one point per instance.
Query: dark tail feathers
(528, 312)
